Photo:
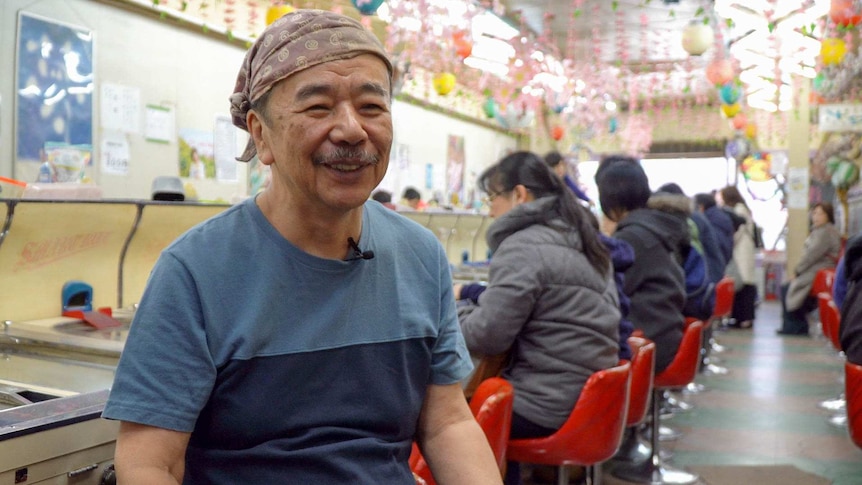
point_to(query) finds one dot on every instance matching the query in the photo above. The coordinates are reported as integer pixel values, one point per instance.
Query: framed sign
(54, 87)
(840, 117)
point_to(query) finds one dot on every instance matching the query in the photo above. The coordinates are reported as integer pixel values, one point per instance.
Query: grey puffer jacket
(546, 302)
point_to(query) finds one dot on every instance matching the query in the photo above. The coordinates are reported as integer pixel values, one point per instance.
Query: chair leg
(562, 475)
(654, 471)
(633, 449)
(593, 474)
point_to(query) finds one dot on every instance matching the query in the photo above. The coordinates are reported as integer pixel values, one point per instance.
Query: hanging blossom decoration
(636, 135)
(835, 82)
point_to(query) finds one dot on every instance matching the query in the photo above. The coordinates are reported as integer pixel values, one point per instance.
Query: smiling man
(303, 336)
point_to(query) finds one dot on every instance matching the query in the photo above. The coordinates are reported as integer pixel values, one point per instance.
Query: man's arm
(452, 442)
(147, 455)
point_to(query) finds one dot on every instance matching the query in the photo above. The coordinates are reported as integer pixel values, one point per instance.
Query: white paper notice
(120, 108)
(159, 126)
(224, 149)
(115, 154)
(797, 188)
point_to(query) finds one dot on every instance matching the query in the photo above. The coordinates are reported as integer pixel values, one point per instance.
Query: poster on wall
(65, 162)
(196, 154)
(159, 124)
(54, 87)
(224, 149)
(115, 153)
(120, 108)
(455, 169)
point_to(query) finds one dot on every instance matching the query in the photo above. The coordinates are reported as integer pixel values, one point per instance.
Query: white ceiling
(622, 20)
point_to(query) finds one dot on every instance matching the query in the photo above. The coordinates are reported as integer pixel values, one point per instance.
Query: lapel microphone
(358, 253)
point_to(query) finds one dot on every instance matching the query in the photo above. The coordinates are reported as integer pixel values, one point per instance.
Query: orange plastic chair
(830, 319)
(491, 405)
(590, 435)
(633, 448)
(853, 393)
(723, 299)
(823, 281)
(679, 373)
(643, 369)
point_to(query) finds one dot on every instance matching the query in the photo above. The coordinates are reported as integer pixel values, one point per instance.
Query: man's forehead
(364, 73)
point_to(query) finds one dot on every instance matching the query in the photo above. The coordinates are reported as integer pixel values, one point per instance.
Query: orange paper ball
(557, 132)
(720, 71)
(463, 45)
(843, 13)
(739, 121)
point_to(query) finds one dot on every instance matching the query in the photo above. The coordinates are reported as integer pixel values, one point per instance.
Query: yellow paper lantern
(751, 130)
(444, 83)
(832, 51)
(730, 110)
(276, 12)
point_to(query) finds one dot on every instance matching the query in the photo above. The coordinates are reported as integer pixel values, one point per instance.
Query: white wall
(426, 134)
(194, 74)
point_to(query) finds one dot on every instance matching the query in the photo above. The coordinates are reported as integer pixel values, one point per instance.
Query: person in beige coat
(821, 251)
(741, 265)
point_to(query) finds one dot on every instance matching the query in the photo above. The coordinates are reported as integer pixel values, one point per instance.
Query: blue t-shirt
(285, 367)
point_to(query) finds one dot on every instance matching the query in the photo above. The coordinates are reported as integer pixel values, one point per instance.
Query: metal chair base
(592, 475)
(839, 420)
(654, 474)
(834, 404)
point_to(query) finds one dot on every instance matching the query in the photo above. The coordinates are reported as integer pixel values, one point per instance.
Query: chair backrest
(643, 368)
(822, 283)
(723, 298)
(830, 318)
(683, 368)
(853, 395)
(491, 404)
(594, 429)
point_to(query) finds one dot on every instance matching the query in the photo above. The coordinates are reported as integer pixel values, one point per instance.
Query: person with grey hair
(316, 338)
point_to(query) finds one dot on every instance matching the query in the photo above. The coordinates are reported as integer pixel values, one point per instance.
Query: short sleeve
(166, 372)
(450, 362)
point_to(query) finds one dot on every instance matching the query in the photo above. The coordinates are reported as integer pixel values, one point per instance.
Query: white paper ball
(697, 38)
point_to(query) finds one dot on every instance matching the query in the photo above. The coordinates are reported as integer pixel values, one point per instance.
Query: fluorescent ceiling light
(485, 65)
(492, 25)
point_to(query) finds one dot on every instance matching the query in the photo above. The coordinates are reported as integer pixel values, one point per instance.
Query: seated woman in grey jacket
(550, 297)
(821, 250)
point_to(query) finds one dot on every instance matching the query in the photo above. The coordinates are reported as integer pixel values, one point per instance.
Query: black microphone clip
(358, 253)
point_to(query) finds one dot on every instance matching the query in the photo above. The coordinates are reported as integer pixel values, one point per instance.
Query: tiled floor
(764, 411)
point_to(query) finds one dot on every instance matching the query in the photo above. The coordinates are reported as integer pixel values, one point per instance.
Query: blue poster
(54, 86)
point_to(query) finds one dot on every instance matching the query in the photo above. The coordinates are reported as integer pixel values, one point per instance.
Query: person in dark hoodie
(702, 234)
(655, 282)
(723, 224)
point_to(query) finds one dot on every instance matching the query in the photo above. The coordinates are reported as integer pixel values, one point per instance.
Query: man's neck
(317, 232)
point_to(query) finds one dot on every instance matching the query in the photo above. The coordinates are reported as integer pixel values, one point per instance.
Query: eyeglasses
(490, 197)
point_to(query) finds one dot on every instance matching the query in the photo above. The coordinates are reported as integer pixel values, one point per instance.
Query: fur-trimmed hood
(672, 203)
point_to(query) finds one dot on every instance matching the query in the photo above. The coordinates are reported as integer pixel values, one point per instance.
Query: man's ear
(256, 127)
